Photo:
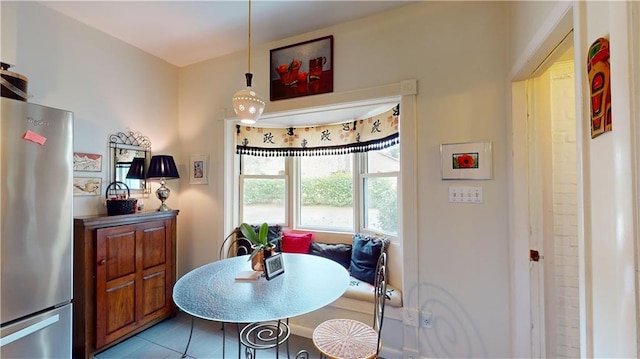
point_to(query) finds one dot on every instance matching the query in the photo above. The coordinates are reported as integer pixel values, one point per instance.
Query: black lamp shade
(136, 171)
(162, 166)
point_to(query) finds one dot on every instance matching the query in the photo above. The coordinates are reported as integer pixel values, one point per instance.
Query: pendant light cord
(249, 42)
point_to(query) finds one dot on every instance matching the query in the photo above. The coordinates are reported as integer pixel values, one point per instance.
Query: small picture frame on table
(469, 160)
(199, 169)
(273, 266)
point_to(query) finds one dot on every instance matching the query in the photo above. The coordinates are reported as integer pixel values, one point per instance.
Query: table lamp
(162, 167)
(136, 170)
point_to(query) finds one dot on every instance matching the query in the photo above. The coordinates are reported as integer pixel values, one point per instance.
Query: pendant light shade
(247, 104)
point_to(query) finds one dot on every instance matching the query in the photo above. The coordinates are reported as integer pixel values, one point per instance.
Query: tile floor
(168, 339)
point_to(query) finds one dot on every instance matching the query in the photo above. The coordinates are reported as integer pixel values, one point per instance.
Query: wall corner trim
(409, 87)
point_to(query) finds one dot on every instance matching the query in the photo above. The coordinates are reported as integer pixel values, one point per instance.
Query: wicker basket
(117, 206)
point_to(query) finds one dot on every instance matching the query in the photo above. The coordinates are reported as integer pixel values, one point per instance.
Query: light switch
(455, 195)
(465, 194)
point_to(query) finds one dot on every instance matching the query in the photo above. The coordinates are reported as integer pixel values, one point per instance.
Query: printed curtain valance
(374, 133)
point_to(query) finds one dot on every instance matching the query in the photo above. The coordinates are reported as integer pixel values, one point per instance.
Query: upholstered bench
(359, 258)
(364, 291)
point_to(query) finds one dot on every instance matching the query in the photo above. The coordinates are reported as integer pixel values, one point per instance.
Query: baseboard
(301, 331)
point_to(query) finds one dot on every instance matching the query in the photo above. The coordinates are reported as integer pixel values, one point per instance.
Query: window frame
(286, 201)
(293, 204)
(296, 188)
(364, 176)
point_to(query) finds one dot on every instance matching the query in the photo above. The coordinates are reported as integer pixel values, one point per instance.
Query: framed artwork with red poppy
(468, 160)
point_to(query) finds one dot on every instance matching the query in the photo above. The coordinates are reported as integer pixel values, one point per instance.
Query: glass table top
(308, 283)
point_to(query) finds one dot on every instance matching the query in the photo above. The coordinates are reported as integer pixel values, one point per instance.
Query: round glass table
(212, 291)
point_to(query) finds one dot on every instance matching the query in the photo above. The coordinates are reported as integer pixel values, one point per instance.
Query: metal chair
(233, 245)
(302, 354)
(352, 339)
(260, 335)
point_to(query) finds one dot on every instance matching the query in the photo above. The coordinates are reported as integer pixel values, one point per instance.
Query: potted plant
(259, 242)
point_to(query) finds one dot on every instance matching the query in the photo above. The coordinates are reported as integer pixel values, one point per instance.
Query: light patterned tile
(124, 349)
(167, 340)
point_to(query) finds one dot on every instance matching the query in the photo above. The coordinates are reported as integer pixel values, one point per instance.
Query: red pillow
(296, 242)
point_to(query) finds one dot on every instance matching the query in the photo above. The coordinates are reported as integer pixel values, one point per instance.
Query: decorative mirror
(129, 157)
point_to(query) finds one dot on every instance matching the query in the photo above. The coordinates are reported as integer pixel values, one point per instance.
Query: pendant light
(247, 104)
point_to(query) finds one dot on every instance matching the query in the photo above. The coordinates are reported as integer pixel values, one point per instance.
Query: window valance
(373, 133)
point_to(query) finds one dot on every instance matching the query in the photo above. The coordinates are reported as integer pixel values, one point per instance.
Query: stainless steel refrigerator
(36, 151)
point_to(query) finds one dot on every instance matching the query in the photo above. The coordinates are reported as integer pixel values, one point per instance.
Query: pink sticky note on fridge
(32, 136)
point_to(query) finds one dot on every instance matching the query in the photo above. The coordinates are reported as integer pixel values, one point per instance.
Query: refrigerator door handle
(29, 330)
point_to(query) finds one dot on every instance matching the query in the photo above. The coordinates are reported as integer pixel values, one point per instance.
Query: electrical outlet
(411, 317)
(426, 319)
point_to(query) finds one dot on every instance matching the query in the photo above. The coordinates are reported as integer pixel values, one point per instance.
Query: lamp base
(163, 193)
(163, 207)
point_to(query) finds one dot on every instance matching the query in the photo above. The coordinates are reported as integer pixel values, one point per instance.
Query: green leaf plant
(258, 240)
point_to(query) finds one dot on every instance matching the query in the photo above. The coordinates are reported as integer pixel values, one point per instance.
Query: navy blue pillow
(340, 253)
(364, 257)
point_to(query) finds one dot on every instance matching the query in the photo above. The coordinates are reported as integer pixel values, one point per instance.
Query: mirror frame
(129, 141)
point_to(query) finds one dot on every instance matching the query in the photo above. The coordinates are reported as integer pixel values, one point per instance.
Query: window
(339, 177)
(340, 193)
(326, 192)
(380, 190)
(264, 190)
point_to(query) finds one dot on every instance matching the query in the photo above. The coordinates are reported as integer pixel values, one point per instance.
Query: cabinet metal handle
(102, 262)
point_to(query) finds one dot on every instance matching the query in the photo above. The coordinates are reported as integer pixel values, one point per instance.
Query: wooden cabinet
(124, 272)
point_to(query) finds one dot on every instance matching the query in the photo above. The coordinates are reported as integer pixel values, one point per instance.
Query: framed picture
(273, 266)
(470, 160)
(302, 69)
(199, 169)
(87, 186)
(89, 162)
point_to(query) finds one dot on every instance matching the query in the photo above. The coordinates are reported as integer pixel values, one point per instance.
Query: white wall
(636, 119)
(457, 52)
(110, 86)
(606, 222)
(612, 243)
(526, 16)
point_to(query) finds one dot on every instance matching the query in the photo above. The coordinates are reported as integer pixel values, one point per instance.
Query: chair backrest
(234, 246)
(380, 295)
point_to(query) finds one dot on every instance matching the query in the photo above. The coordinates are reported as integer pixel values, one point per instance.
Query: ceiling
(185, 32)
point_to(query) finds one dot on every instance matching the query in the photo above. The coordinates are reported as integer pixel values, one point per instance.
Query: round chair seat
(346, 339)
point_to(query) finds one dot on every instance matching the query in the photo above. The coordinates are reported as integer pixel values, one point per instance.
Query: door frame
(559, 23)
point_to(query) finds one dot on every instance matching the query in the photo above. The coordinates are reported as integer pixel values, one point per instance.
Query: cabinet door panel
(120, 251)
(154, 287)
(120, 307)
(154, 243)
(115, 282)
